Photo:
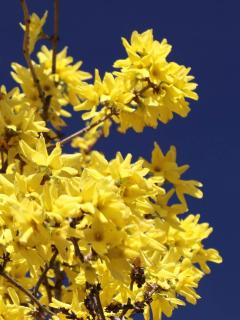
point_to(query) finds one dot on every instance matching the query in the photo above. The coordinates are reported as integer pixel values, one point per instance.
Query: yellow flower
(35, 29)
(59, 89)
(161, 87)
(39, 161)
(68, 76)
(78, 230)
(90, 93)
(142, 50)
(103, 236)
(9, 310)
(146, 90)
(39, 156)
(111, 92)
(23, 76)
(17, 122)
(167, 167)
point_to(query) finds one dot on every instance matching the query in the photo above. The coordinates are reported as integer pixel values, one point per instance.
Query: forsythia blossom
(35, 29)
(147, 89)
(82, 236)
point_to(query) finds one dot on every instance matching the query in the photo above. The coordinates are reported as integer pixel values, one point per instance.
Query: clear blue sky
(205, 35)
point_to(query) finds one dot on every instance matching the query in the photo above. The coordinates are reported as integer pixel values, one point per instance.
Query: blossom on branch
(81, 236)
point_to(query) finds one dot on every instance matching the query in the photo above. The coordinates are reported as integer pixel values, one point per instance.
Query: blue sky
(205, 36)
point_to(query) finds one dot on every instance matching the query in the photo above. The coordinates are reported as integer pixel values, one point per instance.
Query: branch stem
(48, 266)
(26, 52)
(88, 128)
(77, 250)
(99, 305)
(25, 291)
(55, 37)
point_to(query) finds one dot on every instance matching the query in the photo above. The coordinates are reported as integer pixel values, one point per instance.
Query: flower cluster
(49, 90)
(147, 89)
(111, 223)
(83, 237)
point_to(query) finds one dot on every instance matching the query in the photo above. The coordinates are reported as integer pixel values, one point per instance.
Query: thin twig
(26, 53)
(44, 273)
(69, 313)
(88, 128)
(25, 291)
(77, 250)
(55, 37)
(125, 310)
(59, 277)
(4, 164)
(45, 107)
(48, 288)
(93, 303)
(2, 158)
(99, 304)
(100, 134)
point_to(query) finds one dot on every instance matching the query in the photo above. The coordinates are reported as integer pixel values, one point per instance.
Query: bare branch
(17, 285)
(44, 273)
(55, 37)
(48, 288)
(26, 53)
(93, 303)
(98, 302)
(59, 277)
(4, 163)
(77, 250)
(88, 128)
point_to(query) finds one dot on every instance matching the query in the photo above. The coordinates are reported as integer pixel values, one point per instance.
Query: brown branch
(55, 37)
(137, 306)
(44, 99)
(25, 291)
(59, 277)
(4, 163)
(6, 258)
(45, 107)
(92, 255)
(26, 53)
(70, 314)
(44, 273)
(48, 288)
(2, 158)
(100, 134)
(93, 303)
(88, 128)
(77, 250)
(138, 94)
(98, 302)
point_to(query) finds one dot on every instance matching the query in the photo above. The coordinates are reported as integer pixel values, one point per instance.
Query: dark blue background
(205, 35)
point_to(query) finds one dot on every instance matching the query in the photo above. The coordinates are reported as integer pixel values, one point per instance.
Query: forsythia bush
(83, 237)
